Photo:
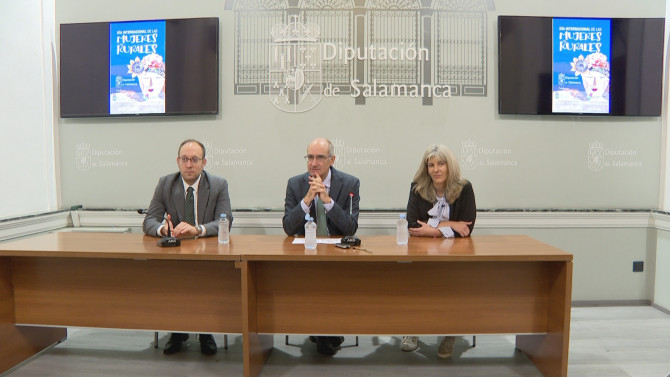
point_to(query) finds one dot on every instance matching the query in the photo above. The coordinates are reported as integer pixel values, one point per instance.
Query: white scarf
(439, 212)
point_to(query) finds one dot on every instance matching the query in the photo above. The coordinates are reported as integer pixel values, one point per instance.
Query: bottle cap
(223, 215)
(402, 215)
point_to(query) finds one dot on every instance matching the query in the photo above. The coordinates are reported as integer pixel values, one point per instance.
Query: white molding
(257, 219)
(123, 219)
(571, 219)
(111, 218)
(34, 224)
(539, 219)
(661, 221)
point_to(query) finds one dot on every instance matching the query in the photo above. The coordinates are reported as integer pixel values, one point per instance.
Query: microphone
(350, 239)
(169, 241)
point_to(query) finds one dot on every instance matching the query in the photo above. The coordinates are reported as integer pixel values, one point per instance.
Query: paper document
(301, 241)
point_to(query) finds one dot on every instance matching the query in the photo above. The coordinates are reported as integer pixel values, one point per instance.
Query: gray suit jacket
(169, 198)
(338, 218)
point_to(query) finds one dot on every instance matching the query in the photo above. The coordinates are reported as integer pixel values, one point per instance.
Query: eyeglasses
(319, 158)
(194, 160)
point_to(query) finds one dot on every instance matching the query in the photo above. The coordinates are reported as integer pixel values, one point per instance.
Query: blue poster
(137, 67)
(581, 66)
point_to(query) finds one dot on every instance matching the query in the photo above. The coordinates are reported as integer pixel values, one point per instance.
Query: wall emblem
(340, 154)
(83, 156)
(469, 154)
(295, 67)
(299, 53)
(596, 155)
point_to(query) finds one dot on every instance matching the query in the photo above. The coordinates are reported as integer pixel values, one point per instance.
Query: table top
(281, 248)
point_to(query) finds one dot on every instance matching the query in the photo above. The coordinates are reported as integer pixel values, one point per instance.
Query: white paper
(301, 241)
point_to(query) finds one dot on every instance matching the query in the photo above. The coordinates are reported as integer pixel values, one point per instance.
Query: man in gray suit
(208, 198)
(338, 194)
(336, 190)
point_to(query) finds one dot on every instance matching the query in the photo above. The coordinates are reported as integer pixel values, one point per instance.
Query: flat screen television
(580, 66)
(130, 68)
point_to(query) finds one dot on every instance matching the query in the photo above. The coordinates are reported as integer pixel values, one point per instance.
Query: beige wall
(525, 161)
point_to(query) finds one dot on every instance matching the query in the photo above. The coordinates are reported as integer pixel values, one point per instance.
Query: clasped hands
(316, 188)
(182, 230)
(425, 230)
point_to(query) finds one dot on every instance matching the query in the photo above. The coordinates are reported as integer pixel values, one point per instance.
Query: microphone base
(351, 240)
(169, 242)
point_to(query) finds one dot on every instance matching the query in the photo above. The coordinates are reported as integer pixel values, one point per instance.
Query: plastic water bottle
(224, 229)
(310, 233)
(402, 233)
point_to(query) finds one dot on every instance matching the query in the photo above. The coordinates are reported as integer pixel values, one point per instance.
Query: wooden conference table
(260, 285)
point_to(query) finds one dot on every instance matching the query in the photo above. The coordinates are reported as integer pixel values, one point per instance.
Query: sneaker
(446, 348)
(409, 343)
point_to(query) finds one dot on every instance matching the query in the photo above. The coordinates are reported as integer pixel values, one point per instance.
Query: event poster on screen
(581, 66)
(137, 67)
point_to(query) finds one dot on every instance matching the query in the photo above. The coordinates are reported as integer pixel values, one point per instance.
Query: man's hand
(182, 230)
(168, 226)
(185, 230)
(316, 187)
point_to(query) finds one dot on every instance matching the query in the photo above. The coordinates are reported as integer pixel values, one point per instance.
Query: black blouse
(463, 208)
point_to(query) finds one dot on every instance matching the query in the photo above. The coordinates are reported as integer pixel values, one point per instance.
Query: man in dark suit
(208, 198)
(338, 194)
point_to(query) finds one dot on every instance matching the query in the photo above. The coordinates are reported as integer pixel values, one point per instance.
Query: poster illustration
(581, 66)
(137, 67)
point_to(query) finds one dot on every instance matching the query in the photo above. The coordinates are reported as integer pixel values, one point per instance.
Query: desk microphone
(350, 239)
(169, 241)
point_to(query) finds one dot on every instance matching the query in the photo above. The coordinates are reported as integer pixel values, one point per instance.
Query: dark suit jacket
(338, 218)
(169, 197)
(462, 209)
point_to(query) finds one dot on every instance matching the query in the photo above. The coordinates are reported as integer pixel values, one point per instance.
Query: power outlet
(638, 266)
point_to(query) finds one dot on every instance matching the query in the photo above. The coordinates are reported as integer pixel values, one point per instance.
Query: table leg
(18, 343)
(549, 352)
(256, 347)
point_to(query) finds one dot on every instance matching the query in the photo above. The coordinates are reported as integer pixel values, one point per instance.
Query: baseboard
(661, 308)
(596, 303)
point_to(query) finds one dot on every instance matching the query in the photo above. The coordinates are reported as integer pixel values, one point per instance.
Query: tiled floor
(604, 342)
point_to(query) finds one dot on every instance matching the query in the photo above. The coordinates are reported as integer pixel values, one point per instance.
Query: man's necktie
(321, 226)
(189, 207)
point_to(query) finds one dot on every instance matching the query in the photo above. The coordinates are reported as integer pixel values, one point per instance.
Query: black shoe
(207, 344)
(174, 344)
(323, 345)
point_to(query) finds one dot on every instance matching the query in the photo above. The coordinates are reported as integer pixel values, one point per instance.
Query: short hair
(331, 148)
(192, 141)
(424, 183)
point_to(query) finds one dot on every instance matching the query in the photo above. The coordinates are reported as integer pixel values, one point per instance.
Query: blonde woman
(441, 204)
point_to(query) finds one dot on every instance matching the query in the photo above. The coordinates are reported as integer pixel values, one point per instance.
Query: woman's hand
(460, 227)
(424, 230)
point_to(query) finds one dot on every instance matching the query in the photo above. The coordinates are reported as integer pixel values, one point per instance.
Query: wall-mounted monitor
(580, 66)
(130, 68)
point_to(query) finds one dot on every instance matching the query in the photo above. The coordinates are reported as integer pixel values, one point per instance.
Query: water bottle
(402, 233)
(224, 229)
(310, 233)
